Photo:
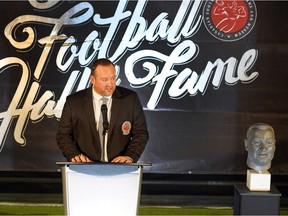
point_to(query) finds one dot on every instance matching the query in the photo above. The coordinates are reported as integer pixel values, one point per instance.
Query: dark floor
(187, 201)
(146, 200)
(157, 189)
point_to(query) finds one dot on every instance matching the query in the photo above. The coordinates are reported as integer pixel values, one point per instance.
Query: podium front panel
(101, 189)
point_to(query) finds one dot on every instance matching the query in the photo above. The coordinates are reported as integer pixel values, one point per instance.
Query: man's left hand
(122, 159)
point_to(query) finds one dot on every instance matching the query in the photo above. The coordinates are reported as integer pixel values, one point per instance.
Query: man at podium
(104, 122)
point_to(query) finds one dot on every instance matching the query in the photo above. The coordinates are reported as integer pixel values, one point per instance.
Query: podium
(101, 188)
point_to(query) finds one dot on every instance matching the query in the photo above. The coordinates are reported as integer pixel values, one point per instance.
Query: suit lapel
(89, 112)
(116, 107)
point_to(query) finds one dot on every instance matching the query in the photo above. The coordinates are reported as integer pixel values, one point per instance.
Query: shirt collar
(98, 97)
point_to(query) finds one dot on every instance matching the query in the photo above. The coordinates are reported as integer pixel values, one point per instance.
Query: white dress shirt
(97, 103)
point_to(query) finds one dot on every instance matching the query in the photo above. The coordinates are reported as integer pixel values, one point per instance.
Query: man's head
(260, 144)
(103, 77)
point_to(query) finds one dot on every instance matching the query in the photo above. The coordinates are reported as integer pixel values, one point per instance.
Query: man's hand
(122, 159)
(80, 158)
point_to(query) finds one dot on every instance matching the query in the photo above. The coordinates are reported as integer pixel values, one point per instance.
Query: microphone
(105, 119)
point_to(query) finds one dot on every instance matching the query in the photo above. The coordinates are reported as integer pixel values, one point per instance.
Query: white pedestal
(258, 181)
(101, 188)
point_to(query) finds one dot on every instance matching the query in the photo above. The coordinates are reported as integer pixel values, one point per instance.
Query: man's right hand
(81, 158)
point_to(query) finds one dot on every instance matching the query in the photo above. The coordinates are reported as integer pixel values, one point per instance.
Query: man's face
(104, 80)
(261, 146)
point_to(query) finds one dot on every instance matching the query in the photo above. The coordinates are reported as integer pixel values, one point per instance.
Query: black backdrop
(196, 125)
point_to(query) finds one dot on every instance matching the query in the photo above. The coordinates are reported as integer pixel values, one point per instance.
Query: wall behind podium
(204, 72)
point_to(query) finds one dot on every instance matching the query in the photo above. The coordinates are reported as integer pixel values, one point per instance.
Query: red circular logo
(229, 16)
(229, 20)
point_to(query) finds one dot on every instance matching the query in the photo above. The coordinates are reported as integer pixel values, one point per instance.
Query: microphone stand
(104, 133)
(104, 137)
(105, 129)
(105, 125)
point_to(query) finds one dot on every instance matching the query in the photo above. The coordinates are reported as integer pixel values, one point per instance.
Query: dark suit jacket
(77, 132)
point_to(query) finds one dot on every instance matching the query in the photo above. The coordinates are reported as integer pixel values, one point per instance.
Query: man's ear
(246, 144)
(92, 80)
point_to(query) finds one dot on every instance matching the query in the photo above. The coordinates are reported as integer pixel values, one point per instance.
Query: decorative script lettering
(27, 105)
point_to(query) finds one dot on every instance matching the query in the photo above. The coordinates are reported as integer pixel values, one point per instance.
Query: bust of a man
(260, 144)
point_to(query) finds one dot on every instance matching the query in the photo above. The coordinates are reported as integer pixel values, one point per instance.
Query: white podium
(101, 188)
